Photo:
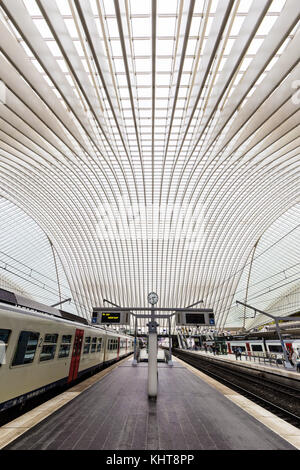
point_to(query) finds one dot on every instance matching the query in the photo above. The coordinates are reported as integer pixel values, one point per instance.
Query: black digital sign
(108, 317)
(201, 317)
(195, 318)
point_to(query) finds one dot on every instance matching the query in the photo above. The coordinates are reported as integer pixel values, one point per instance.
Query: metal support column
(134, 361)
(152, 357)
(170, 362)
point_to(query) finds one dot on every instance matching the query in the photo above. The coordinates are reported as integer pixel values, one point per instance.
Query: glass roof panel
(199, 119)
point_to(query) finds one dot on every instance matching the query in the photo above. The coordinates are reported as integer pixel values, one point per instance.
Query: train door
(289, 347)
(248, 349)
(74, 366)
(105, 343)
(229, 348)
(118, 354)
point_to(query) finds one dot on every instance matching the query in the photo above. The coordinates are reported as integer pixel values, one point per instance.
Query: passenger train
(42, 348)
(260, 347)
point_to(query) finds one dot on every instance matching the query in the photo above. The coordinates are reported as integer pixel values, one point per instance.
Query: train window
(65, 346)
(275, 348)
(50, 338)
(49, 347)
(26, 348)
(99, 344)
(94, 343)
(87, 345)
(4, 336)
(256, 347)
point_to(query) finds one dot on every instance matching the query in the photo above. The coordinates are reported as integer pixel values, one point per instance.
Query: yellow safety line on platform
(11, 431)
(279, 426)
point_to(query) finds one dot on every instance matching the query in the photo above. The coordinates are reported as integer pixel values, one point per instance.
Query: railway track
(281, 400)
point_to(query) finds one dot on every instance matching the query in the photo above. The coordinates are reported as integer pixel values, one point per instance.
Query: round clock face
(152, 298)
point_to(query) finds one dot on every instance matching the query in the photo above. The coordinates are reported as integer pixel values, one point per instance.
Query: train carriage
(40, 351)
(260, 347)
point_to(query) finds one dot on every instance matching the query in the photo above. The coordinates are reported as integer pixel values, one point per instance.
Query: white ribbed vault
(28, 263)
(154, 142)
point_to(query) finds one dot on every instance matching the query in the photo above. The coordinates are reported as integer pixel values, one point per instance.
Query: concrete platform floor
(190, 413)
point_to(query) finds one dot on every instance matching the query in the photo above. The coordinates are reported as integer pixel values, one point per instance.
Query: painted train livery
(260, 347)
(42, 347)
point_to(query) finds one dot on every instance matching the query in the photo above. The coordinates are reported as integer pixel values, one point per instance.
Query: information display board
(203, 317)
(108, 318)
(195, 318)
(102, 317)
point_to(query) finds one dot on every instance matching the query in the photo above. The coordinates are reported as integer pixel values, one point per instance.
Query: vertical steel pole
(134, 362)
(152, 357)
(287, 362)
(170, 344)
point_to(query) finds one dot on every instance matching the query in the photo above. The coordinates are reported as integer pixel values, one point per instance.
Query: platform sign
(110, 318)
(203, 317)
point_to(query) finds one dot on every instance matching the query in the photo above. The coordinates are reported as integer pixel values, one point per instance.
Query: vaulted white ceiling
(154, 142)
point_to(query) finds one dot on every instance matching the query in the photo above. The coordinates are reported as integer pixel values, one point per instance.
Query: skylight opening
(167, 7)
(237, 25)
(142, 47)
(55, 50)
(112, 26)
(244, 6)
(43, 28)
(255, 46)
(266, 25)
(141, 27)
(276, 6)
(195, 26)
(32, 7)
(64, 7)
(138, 7)
(108, 7)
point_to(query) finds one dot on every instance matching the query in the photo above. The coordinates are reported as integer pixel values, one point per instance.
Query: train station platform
(192, 411)
(251, 363)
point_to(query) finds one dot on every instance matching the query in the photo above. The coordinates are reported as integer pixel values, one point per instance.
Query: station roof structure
(155, 146)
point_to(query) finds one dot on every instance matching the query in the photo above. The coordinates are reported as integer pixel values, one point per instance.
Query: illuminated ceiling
(154, 142)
